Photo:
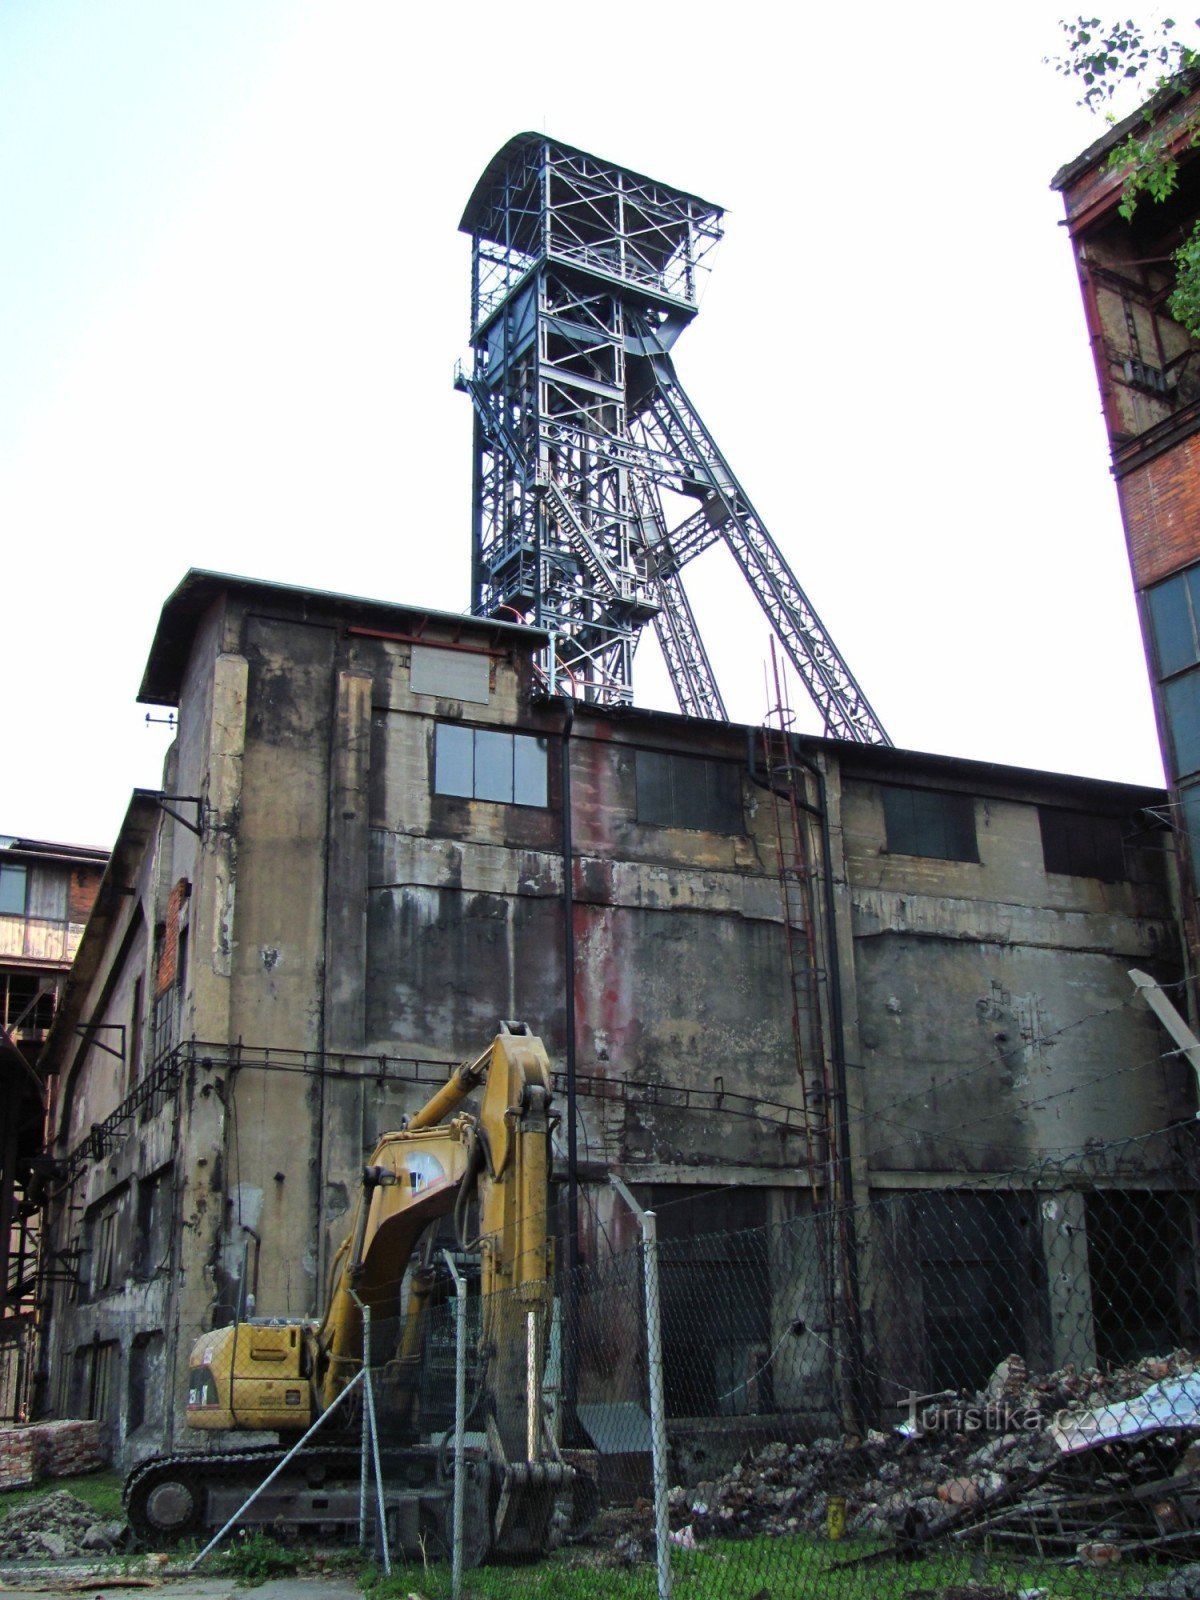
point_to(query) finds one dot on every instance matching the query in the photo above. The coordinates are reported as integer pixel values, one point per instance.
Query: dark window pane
(898, 819)
(1190, 799)
(453, 768)
(1171, 622)
(1056, 840)
(724, 797)
(493, 765)
(1087, 846)
(688, 792)
(1181, 701)
(654, 788)
(12, 891)
(529, 771)
(925, 822)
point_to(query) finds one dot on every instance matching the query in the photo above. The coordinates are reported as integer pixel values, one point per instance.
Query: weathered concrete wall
(995, 1018)
(341, 917)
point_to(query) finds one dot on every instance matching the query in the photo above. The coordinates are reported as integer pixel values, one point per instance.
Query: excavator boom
(280, 1374)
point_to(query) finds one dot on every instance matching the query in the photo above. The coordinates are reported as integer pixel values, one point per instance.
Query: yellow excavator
(281, 1374)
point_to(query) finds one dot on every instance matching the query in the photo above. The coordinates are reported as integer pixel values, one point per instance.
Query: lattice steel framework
(583, 276)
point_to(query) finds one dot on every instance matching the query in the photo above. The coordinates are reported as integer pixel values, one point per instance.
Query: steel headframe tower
(583, 276)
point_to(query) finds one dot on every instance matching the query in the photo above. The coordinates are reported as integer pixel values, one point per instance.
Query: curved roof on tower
(521, 142)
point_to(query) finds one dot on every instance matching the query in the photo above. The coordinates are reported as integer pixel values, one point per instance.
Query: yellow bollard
(835, 1516)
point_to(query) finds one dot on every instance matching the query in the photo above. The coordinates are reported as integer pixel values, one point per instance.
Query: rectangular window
(146, 1380)
(1190, 800)
(980, 1282)
(1174, 611)
(153, 1243)
(715, 1287)
(1142, 1268)
(487, 764)
(688, 792)
(46, 898)
(1174, 614)
(1181, 702)
(133, 1066)
(12, 890)
(928, 822)
(100, 1250)
(1085, 846)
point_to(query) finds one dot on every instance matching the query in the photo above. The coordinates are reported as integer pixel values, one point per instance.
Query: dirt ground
(61, 1584)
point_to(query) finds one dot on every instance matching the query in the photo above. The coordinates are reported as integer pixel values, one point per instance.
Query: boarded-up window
(930, 822)
(450, 674)
(48, 894)
(1086, 846)
(688, 792)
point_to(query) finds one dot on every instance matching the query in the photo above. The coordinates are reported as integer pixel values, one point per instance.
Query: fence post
(460, 1423)
(369, 1408)
(658, 1415)
(364, 1467)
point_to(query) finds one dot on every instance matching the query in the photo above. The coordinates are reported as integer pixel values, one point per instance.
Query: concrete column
(346, 882)
(1064, 1245)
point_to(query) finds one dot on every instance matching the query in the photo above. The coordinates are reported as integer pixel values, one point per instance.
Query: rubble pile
(911, 1487)
(57, 1525)
(1076, 1464)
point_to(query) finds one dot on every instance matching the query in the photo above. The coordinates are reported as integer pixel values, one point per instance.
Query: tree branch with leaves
(1155, 60)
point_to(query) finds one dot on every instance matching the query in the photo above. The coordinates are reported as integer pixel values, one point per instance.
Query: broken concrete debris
(991, 1463)
(57, 1525)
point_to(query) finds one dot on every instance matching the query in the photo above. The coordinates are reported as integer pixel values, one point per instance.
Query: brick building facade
(1148, 370)
(46, 896)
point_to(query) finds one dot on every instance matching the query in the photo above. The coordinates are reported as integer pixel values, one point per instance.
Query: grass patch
(254, 1557)
(741, 1569)
(100, 1490)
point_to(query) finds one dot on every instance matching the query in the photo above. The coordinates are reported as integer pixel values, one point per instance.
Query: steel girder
(674, 432)
(584, 274)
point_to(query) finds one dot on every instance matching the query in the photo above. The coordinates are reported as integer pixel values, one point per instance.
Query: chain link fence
(983, 1389)
(986, 1391)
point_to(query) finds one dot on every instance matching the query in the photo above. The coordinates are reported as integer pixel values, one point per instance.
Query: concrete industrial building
(797, 969)
(46, 895)
(1149, 379)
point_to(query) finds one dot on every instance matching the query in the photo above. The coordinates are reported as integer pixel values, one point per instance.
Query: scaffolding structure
(584, 274)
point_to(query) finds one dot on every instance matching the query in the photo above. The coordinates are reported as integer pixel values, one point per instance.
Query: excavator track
(193, 1494)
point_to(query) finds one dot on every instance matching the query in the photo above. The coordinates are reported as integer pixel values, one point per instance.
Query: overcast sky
(232, 291)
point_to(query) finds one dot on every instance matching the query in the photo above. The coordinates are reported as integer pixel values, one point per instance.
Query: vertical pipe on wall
(570, 1308)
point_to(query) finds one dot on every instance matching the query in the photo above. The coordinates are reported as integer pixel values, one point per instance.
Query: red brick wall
(1160, 504)
(168, 961)
(48, 1450)
(81, 892)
